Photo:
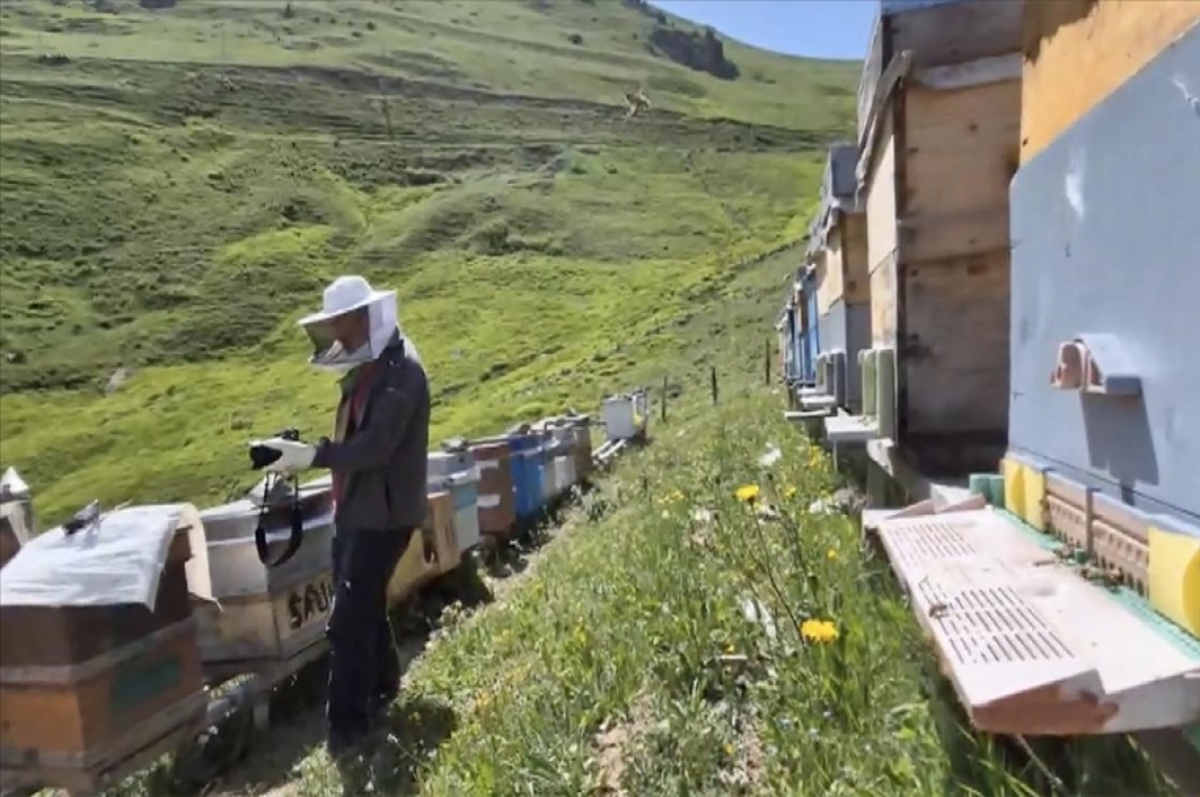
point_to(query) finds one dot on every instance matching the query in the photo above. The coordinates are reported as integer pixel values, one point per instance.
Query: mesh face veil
(347, 295)
(329, 354)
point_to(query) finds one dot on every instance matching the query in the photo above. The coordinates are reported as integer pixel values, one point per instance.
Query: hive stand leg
(877, 486)
(262, 712)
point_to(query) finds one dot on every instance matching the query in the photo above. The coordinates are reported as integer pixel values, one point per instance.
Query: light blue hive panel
(1106, 243)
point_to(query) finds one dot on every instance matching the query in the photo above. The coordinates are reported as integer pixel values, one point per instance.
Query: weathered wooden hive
(581, 428)
(98, 658)
(788, 340)
(783, 347)
(838, 252)
(625, 415)
(1074, 608)
(526, 467)
(453, 470)
(558, 442)
(260, 615)
(939, 123)
(497, 510)
(807, 330)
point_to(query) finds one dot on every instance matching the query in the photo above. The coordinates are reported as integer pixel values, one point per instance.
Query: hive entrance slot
(1098, 364)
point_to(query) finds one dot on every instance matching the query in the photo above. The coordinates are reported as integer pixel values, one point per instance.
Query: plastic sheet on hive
(117, 560)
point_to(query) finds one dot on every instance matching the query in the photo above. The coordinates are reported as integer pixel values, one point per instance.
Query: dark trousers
(364, 667)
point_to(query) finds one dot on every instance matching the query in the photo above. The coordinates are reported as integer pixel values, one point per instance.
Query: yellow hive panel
(1033, 495)
(1014, 485)
(1175, 578)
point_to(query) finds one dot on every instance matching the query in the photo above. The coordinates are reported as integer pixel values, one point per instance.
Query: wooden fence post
(767, 362)
(713, 380)
(663, 400)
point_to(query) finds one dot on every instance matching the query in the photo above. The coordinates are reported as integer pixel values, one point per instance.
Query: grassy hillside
(178, 183)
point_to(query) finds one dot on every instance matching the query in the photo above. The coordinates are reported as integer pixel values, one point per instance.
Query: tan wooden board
(1077, 52)
(880, 192)
(73, 717)
(960, 156)
(853, 229)
(884, 303)
(830, 279)
(957, 328)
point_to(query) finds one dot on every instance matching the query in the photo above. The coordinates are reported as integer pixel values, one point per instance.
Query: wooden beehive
(261, 615)
(1076, 52)
(843, 302)
(497, 511)
(1104, 419)
(939, 145)
(86, 687)
(582, 426)
(807, 329)
(431, 552)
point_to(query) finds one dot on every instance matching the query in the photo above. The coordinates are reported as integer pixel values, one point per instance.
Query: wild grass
(695, 629)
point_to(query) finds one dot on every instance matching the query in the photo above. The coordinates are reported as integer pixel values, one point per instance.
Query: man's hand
(292, 455)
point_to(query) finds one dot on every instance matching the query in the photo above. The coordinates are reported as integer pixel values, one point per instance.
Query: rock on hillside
(703, 52)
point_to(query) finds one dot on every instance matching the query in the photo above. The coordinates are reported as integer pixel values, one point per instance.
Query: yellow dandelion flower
(729, 648)
(819, 631)
(728, 749)
(831, 555)
(748, 493)
(789, 491)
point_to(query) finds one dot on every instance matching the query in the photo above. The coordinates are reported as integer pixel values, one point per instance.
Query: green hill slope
(178, 183)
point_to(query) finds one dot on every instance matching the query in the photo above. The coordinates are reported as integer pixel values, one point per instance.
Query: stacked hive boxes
(261, 613)
(940, 105)
(1104, 422)
(98, 654)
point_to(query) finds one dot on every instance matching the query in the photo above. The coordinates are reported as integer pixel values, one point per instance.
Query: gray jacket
(382, 460)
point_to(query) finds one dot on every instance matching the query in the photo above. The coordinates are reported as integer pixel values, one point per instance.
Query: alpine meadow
(179, 180)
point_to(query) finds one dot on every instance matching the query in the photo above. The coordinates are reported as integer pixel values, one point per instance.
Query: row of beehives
(993, 283)
(112, 634)
(966, 291)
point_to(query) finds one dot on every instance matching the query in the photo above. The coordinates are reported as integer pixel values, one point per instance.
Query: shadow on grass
(413, 730)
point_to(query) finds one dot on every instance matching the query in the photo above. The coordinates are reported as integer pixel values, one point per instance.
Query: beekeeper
(378, 458)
